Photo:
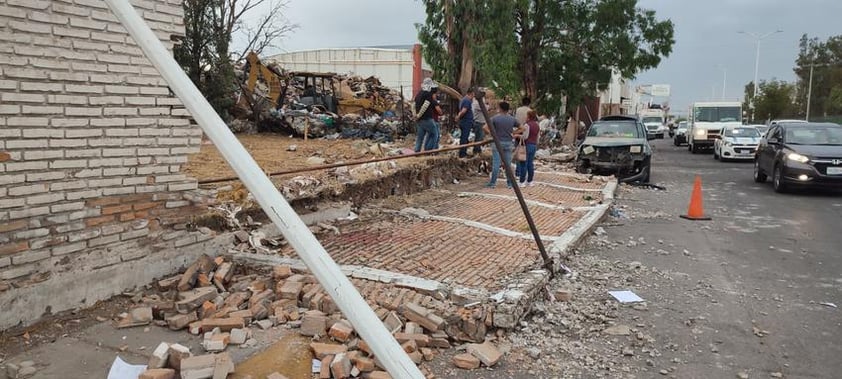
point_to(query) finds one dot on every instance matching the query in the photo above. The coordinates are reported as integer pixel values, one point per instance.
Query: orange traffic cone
(696, 209)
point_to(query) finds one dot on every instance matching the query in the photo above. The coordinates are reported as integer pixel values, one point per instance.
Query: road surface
(745, 290)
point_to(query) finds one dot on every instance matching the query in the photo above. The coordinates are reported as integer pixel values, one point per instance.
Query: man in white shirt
(523, 110)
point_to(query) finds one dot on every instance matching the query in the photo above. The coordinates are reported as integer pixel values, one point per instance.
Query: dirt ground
(273, 153)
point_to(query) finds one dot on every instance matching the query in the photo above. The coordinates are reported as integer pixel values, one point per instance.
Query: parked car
(761, 128)
(793, 121)
(736, 142)
(800, 155)
(680, 134)
(617, 145)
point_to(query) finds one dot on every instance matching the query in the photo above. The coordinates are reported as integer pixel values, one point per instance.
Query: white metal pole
(809, 92)
(340, 289)
(756, 69)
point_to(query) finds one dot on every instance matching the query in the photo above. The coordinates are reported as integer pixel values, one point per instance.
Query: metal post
(809, 92)
(340, 289)
(510, 175)
(724, 81)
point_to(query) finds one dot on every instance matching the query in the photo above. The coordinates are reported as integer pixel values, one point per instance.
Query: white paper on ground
(317, 366)
(625, 296)
(122, 370)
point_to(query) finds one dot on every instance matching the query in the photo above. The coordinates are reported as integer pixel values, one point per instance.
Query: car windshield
(651, 120)
(614, 130)
(742, 132)
(814, 135)
(717, 114)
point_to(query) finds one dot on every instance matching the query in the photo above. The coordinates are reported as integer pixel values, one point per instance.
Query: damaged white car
(736, 142)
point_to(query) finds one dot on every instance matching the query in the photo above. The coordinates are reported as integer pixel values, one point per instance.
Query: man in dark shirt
(502, 125)
(425, 107)
(466, 121)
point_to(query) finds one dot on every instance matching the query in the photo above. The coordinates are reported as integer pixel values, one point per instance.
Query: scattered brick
(321, 350)
(466, 361)
(192, 299)
(224, 324)
(180, 321)
(177, 353)
(486, 353)
(423, 316)
(341, 366)
(160, 356)
(341, 331)
(313, 323)
(157, 373)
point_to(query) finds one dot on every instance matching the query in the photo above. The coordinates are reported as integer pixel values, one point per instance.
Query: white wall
(392, 66)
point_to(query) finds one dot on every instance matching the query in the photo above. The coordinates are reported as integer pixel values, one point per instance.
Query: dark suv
(800, 155)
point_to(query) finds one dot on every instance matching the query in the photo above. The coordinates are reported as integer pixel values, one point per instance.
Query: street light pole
(758, 38)
(810, 91)
(724, 80)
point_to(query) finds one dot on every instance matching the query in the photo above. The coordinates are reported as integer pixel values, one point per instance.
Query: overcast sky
(706, 36)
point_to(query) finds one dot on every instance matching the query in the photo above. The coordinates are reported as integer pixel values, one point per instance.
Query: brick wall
(92, 144)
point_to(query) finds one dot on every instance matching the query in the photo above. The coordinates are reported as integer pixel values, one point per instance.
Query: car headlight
(588, 150)
(700, 132)
(727, 143)
(636, 149)
(797, 157)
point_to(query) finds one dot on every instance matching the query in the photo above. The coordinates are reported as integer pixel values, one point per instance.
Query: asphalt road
(744, 290)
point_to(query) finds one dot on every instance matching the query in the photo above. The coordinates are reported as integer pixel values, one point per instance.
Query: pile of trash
(319, 104)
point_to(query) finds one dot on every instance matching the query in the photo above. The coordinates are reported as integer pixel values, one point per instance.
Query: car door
(768, 151)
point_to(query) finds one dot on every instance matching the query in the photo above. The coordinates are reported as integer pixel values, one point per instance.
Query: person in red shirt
(529, 131)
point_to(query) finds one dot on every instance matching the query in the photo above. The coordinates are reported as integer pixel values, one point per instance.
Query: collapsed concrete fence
(92, 146)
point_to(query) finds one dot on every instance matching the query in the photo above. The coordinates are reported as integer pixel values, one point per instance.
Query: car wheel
(778, 179)
(581, 168)
(675, 142)
(694, 149)
(647, 173)
(759, 176)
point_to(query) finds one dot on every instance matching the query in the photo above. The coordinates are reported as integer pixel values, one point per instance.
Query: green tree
(205, 51)
(775, 100)
(834, 101)
(542, 48)
(826, 59)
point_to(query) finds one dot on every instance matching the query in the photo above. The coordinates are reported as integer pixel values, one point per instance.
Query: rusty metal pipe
(351, 163)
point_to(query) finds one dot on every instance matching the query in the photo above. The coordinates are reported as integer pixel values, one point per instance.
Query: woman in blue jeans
(529, 132)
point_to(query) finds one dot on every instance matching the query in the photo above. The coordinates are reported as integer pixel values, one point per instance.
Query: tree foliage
(543, 48)
(205, 52)
(775, 100)
(826, 59)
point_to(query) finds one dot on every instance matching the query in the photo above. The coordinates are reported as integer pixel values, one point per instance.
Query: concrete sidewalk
(446, 249)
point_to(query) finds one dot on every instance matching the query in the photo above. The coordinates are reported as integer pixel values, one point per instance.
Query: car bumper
(737, 152)
(808, 176)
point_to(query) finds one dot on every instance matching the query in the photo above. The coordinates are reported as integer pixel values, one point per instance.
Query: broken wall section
(92, 145)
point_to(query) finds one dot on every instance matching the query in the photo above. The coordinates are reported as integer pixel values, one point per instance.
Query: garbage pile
(319, 104)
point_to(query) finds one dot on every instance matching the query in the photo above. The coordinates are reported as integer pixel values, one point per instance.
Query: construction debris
(219, 299)
(318, 104)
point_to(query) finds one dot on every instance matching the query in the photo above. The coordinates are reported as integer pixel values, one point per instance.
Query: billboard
(662, 90)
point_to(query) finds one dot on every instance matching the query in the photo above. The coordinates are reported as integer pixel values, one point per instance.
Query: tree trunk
(530, 75)
(466, 73)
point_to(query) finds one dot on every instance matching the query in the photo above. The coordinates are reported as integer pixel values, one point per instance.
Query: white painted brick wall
(83, 116)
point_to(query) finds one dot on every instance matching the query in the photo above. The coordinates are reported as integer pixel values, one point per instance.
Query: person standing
(465, 117)
(502, 125)
(479, 123)
(522, 110)
(426, 131)
(529, 132)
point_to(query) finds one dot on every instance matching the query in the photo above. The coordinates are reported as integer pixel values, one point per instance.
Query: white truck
(707, 119)
(655, 122)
